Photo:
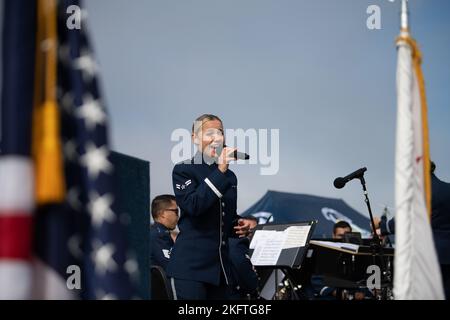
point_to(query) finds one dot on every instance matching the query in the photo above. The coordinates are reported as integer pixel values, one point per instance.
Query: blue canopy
(283, 207)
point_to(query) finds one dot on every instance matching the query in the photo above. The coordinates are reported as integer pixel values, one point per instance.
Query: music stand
(281, 246)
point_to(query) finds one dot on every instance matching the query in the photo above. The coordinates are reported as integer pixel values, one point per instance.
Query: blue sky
(311, 69)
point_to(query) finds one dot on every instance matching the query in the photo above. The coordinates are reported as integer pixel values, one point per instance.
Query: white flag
(416, 273)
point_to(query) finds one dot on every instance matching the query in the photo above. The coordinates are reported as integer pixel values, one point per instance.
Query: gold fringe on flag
(47, 151)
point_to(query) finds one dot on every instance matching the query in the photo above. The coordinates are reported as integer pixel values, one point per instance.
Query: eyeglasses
(177, 210)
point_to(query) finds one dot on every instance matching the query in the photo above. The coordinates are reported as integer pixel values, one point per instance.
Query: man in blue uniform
(440, 225)
(165, 215)
(206, 192)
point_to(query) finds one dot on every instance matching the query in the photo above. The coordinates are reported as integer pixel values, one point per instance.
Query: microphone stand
(376, 241)
(375, 237)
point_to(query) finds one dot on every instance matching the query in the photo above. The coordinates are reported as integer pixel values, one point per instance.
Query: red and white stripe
(16, 207)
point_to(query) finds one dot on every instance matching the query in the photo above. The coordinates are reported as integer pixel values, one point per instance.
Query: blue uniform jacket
(161, 244)
(207, 199)
(244, 275)
(440, 219)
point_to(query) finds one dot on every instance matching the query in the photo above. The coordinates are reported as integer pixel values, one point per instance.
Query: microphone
(238, 155)
(340, 182)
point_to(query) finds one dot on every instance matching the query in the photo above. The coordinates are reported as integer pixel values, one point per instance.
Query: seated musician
(323, 292)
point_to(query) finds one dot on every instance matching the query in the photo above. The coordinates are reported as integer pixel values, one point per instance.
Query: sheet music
(268, 244)
(260, 236)
(296, 236)
(268, 249)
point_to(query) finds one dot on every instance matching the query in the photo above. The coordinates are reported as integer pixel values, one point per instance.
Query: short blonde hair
(198, 123)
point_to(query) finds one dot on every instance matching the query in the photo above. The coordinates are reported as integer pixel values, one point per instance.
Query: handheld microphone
(340, 182)
(238, 155)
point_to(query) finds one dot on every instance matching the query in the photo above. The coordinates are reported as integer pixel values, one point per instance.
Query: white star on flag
(91, 111)
(100, 208)
(96, 160)
(131, 266)
(102, 255)
(86, 63)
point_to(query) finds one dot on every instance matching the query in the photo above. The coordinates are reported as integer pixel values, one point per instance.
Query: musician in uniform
(440, 225)
(323, 292)
(206, 192)
(165, 216)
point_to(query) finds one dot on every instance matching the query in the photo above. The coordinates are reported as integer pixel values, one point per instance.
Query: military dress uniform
(161, 245)
(199, 266)
(242, 269)
(440, 225)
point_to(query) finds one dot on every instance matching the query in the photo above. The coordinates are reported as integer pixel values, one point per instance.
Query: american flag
(16, 174)
(81, 234)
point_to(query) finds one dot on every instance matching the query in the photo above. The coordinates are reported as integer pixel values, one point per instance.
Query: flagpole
(404, 17)
(416, 274)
